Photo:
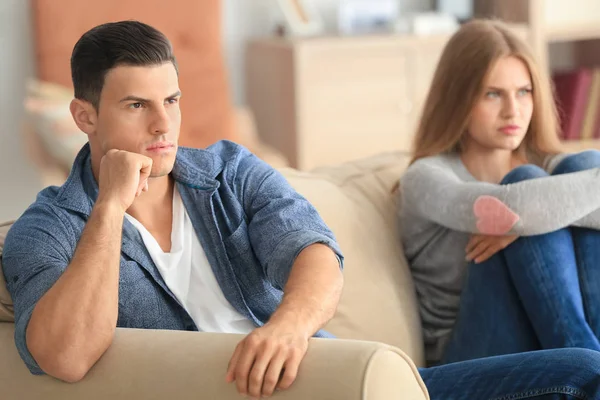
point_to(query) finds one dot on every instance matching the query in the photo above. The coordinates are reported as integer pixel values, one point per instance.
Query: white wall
(243, 19)
(18, 181)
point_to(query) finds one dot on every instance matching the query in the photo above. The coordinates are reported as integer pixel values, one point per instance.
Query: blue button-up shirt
(249, 220)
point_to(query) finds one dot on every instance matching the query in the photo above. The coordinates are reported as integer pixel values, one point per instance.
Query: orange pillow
(194, 28)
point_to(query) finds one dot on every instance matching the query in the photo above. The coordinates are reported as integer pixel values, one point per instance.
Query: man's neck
(158, 197)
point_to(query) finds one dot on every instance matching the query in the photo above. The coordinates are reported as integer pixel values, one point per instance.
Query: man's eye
(172, 101)
(136, 105)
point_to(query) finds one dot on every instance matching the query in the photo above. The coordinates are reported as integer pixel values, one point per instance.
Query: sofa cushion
(356, 200)
(6, 308)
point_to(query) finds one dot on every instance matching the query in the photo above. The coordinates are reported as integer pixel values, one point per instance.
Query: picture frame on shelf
(300, 17)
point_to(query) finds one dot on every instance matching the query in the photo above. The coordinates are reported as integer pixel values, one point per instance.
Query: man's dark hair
(113, 44)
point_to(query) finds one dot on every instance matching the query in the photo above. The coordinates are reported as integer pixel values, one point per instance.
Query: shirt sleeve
(281, 222)
(34, 257)
(537, 206)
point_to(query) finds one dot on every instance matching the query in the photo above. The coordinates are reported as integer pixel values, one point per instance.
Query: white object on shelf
(366, 16)
(429, 23)
(461, 9)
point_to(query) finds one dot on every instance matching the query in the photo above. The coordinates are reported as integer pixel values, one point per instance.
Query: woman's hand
(482, 247)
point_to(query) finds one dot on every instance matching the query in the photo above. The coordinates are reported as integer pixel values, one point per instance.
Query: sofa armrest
(153, 364)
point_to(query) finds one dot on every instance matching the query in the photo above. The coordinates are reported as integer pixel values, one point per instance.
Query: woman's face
(502, 112)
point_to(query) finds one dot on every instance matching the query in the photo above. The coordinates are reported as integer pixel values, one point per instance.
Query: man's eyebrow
(133, 98)
(142, 100)
(176, 94)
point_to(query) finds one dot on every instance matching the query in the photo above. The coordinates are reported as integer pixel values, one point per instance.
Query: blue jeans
(560, 374)
(541, 292)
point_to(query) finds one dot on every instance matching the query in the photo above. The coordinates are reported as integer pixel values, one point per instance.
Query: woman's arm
(434, 191)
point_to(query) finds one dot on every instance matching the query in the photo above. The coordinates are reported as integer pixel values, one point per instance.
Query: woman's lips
(510, 129)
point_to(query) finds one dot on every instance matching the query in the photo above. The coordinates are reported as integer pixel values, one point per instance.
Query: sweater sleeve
(435, 192)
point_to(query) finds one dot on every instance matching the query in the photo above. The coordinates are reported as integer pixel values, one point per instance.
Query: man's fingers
(142, 186)
(257, 374)
(291, 370)
(273, 374)
(145, 166)
(230, 376)
(244, 365)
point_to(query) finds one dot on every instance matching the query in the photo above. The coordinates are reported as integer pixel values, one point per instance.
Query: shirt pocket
(244, 263)
(141, 302)
(238, 243)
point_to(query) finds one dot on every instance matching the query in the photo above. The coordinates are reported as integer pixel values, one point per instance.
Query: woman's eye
(524, 92)
(492, 94)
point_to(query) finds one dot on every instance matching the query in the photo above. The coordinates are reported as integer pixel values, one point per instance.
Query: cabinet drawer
(361, 100)
(345, 63)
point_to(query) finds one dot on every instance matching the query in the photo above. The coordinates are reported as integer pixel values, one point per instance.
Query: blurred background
(302, 83)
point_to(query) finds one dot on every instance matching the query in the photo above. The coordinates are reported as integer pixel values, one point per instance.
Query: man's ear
(85, 115)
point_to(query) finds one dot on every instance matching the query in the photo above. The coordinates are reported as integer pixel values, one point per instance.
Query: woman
(498, 226)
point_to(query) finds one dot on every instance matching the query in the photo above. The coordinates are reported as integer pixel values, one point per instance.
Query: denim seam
(568, 390)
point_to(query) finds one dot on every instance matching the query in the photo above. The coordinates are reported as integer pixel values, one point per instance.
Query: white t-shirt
(188, 274)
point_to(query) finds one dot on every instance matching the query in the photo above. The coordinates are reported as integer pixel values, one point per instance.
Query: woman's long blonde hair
(458, 83)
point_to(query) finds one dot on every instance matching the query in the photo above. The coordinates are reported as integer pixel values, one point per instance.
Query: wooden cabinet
(324, 101)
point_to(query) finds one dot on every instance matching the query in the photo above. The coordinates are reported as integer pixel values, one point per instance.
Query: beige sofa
(377, 320)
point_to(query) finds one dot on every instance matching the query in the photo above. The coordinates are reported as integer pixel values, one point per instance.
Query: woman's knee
(583, 362)
(578, 162)
(523, 173)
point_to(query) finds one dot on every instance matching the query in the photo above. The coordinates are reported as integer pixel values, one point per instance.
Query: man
(146, 235)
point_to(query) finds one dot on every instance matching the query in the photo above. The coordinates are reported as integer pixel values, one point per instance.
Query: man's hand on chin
(267, 359)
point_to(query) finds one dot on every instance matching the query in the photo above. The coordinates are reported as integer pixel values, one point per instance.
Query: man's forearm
(312, 292)
(73, 323)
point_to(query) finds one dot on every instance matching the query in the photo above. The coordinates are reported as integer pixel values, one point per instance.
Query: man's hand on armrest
(270, 356)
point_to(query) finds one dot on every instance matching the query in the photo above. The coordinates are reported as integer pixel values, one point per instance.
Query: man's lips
(160, 146)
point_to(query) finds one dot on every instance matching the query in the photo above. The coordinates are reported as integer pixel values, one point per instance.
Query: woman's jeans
(560, 374)
(541, 292)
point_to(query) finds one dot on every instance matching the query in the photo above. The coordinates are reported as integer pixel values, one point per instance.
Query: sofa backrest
(356, 201)
(378, 301)
(6, 308)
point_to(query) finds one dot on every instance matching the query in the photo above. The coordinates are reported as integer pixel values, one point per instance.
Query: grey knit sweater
(441, 205)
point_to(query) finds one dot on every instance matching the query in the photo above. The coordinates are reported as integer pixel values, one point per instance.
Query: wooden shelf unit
(328, 100)
(573, 32)
(542, 17)
(574, 146)
(551, 22)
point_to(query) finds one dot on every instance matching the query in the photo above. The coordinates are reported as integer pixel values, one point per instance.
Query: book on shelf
(592, 108)
(596, 133)
(572, 90)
